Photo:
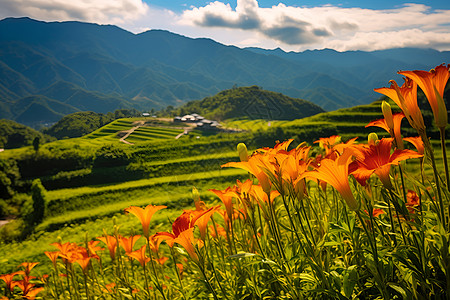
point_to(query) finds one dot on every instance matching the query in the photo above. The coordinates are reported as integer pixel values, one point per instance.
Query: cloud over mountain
(411, 25)
(101, 11)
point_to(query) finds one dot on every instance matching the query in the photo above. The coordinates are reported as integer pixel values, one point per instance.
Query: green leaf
(242, 255)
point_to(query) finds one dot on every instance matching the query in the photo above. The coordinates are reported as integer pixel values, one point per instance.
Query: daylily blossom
(144, 215)
(111, 243)
(128, 243)
(154, 242)
(226, 196)
(257, 165)
(395, 132)
(377, 158)
(93, 248)
(203, 220)
(412, 201)
(84, 262)
(182, 223)
(335, 172)
(328, 143)
(27, 268)
(186, 239)
(375, 212)
(406, 98)
(140, 256)
(417, 142)
(52, 255)
(258, 193)
(433, 84)
(8, 279)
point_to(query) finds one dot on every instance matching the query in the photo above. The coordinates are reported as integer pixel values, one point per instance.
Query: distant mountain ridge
(48, 70)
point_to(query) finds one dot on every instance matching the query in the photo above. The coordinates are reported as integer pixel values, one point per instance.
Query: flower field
(335, 220)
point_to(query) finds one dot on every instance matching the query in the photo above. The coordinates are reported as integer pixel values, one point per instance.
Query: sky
(287, 24)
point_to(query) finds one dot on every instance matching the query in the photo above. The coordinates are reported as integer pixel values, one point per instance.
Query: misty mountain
(48, 70)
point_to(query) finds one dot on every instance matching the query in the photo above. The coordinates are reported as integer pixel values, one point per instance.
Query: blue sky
(287, 24)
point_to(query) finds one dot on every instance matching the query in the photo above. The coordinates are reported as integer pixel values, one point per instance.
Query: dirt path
(130, 131)
(186, 131)
(126, 133)
(4, 222)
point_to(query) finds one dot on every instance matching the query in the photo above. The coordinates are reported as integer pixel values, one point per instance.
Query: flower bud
(372, 138)
(195, 194)
(387, 113)
(242, 150)
(441, 118)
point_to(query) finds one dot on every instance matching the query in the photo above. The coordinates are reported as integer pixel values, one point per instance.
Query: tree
(39, 203)
(9, 178)
(36, 143)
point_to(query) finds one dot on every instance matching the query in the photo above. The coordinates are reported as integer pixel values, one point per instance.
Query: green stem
(158, 284)
(429, 149)
(177, 272)
(444, 156)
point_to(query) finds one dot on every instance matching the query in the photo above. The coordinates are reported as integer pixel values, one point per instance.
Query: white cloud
(297, 28)
(98, 11)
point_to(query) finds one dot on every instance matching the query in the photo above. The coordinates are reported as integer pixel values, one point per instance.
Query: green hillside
(15, 135)
(82, 123)
(250, 102)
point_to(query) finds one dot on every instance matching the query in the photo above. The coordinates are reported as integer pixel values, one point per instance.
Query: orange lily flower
(258, 193)
(375, 212)
(182, 223)
(394, 132)
(111, 243)
(162, 260)
(186, 239)
(27, 268)
(65, 250)
(28, 290)
(417, 142)
(335, 172)
(226, 196)
(128, 243)
(140, 256)
(8, 279)
(93, 248)
(110, 288)
(31, 294)
(377, 158)
(203, 220)
(328, 143)
(253, 166)
(144, 215)
(52, 255)
(244, 187)
(154, 243)
(220, 231)
(433, 84)
(84, 262)
(406, 98)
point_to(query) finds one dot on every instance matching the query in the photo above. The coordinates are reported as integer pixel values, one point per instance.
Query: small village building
(200, 121)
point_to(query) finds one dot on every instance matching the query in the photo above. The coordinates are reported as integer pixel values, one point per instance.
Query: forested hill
(14, 135)
(251, 102)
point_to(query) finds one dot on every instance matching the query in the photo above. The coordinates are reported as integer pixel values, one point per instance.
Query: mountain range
(51, 69)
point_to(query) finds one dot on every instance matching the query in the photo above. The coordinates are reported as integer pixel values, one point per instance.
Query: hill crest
(251, 102)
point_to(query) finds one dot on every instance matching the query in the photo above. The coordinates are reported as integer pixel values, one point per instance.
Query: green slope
(251, 102)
